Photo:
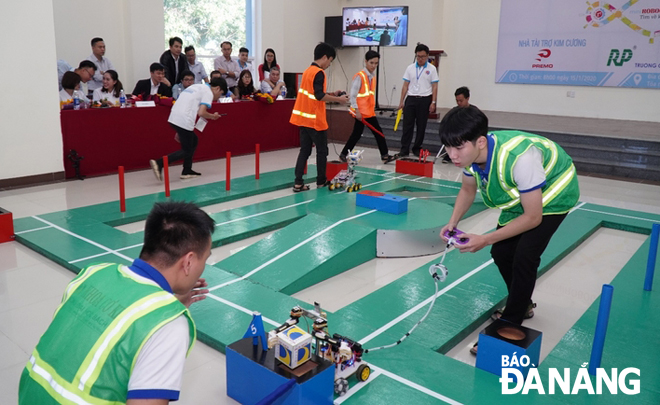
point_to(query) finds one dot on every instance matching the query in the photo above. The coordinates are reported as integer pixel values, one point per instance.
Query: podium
(253, 374)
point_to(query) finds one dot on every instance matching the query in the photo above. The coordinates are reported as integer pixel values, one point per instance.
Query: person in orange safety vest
(363, 103)
(309, 114)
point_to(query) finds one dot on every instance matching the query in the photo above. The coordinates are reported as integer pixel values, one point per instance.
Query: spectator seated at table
(157, 84)
(187, 78)
(86, 70)
(245, 86)
(111, 91)
(70, 83)
(227, 96)
(273, 85)
(270, 61)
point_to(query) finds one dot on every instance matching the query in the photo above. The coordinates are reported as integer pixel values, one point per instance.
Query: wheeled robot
(346, 178)
(345, 353)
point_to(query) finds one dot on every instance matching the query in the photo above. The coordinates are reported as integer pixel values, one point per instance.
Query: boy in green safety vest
(122, 333)
(530, 178)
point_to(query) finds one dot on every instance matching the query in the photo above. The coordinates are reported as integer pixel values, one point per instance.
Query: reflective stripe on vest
(307, 110)
(508, 146)
(91, 367)
(366, 100)
(59, 389)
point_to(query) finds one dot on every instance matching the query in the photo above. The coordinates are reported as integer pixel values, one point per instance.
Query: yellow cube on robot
(294, 347)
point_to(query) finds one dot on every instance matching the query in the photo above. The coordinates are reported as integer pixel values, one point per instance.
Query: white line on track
(105, 253)
(286, 252)
(413, 385)
(422, 304)
(91, 242)
(263, 213)
(32, 230)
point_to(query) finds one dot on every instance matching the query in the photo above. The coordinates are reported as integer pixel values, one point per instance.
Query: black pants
(415, 111)
(189, 142)
(309, 136)
(358, 128)
(518, 260)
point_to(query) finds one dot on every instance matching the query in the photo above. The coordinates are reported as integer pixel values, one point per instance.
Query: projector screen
(375, 26)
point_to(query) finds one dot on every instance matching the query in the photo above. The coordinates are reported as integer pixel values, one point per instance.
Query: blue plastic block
(253, 374)
(386, 203)
(492, 346)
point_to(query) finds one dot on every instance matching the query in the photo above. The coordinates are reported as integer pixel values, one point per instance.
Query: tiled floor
(31, 285)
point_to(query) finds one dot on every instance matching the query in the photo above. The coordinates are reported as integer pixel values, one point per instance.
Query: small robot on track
(346, 178)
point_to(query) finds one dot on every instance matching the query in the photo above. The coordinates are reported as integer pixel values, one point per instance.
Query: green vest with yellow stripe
(108, 313)
(560, 192)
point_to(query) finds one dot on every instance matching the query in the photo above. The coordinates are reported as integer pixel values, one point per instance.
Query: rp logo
(545, 53)
(619, 58)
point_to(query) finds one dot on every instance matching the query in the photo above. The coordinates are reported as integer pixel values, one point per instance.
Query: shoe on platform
(157, 170)
(190, 174)
(389, 158)
(528, 315)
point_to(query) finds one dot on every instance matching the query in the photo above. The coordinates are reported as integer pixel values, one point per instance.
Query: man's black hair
(422, 47)
(462, 125)
(371, 54)
(219, 82)
(95, 40)
(243, 49)
(462, 90)
(176, 39)
(185, 73)
(189, 48)
(173, 229)
(226, 42)
(156, 66)
(87, 64)
(324, 49)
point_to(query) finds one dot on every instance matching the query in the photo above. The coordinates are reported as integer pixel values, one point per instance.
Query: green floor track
(320, 234)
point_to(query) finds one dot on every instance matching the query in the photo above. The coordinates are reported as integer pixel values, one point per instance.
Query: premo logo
(613, 381)
(619, 58)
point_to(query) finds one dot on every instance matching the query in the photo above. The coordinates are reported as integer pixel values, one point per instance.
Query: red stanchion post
(305, 172)
(166, 173)
(256, 162)
(227, 181)
(122, 191)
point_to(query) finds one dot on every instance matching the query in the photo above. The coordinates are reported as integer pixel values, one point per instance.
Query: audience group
(178, 68)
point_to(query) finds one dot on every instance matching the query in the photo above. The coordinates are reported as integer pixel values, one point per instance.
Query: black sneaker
(388, 158)
(342, 157)
(190, 174)
(157, 169)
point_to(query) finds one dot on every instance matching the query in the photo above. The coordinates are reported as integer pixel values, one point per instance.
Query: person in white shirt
(243, 63)
(86, 70)
(420, 91)
(227, 66)
(273, 85)
(102, 63)
(195, 66)
(194, 101)
(111, 91)
(70, 83)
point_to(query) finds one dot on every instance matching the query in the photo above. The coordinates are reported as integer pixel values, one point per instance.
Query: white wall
(132, 32)
(30, 139)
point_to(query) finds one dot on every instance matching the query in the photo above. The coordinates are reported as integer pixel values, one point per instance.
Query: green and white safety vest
(499, 190)
(108, 313)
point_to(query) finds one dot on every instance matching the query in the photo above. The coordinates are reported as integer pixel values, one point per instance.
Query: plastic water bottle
(76, 100)
(122, 99)
(283, 92)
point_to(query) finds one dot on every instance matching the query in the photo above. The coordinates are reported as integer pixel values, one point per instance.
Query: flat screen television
(375, 26)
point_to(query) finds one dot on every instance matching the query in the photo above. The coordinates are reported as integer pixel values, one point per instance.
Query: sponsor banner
(573, 43)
